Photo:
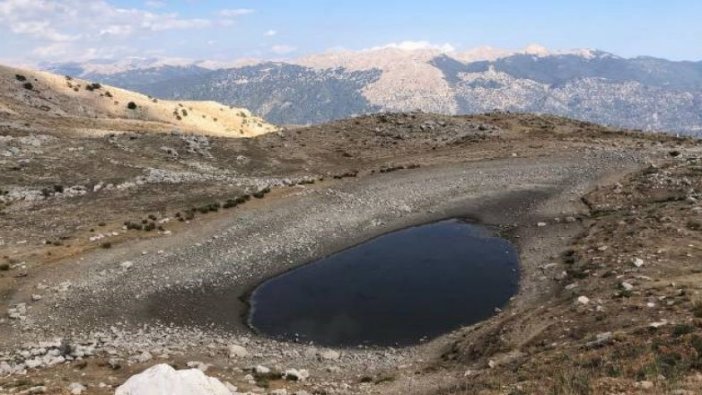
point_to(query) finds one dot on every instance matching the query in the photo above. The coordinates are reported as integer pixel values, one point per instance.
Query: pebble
(237, 351)
(329, 355)
(76, 388)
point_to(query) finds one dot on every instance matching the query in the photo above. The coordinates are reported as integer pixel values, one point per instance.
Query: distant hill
(34, 96)
(641, 93)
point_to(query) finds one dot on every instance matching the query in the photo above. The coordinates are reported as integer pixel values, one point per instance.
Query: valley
(108, 223)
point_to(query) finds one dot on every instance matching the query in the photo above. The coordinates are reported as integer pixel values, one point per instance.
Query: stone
(126, 265)
(296, 375)
(638, 262)
(583, 300)
(280, 391)
(162, 379)
(76, 388)
(600, 340)
(626, 286)
(541, 224)
(261, 370)
(329, 355)
(144, 357)
(237, 351)
(646, 385)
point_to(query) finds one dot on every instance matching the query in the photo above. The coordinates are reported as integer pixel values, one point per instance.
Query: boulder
(164, 380)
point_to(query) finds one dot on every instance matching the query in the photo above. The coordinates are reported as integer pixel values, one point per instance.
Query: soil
(581, 203)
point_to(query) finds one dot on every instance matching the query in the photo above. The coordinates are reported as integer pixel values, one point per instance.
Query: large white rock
(164, 380)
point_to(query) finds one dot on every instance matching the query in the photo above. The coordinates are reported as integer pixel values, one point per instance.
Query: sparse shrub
(131, 105)
(28, 86)
(152, 217)
(20, 77)
(58, 188)
(682, 329)
(93, 86)
(150, 227)
(108, 94)
(185, 112)
(133, 225)
(106, 245)
(263, 192)
(68, 78)
(4, 266)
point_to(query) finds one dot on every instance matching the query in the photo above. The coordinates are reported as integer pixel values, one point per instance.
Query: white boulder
(164, 380)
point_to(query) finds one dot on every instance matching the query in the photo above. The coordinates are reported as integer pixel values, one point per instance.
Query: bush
(93, 86)
(133, 225)
(106, 245)
(4, 267)
(108, 94)
(20, 77)
(131, 105)
(28, 86)
(263, 192)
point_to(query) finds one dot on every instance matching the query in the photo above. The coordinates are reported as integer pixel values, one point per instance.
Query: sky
(35, 31)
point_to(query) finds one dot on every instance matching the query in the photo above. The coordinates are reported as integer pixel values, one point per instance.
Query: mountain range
(641, 93)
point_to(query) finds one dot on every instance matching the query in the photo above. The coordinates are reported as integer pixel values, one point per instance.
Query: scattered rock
(261, 370)
(329, 355)
(76, 388)
(296, 375)
(583, 300)
(237, 351)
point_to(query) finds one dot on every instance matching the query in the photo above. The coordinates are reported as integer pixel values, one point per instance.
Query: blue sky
(61, 30)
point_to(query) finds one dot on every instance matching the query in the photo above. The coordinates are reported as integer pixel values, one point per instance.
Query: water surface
(397, 289)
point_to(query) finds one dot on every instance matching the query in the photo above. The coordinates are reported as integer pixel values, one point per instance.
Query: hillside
(120, 251)
(41, 98)
(638, 93)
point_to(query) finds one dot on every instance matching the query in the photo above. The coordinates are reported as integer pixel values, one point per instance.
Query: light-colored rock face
(164, 380)
(423, 86)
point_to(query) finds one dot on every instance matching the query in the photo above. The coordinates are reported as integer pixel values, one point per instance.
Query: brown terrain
(120, 229)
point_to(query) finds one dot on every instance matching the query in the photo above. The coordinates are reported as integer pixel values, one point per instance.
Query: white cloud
(79, 25)
(283, 49)
(270, 33)
(233, 13)
(416, 45)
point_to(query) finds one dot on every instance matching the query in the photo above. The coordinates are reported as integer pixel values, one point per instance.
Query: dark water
(396, 289)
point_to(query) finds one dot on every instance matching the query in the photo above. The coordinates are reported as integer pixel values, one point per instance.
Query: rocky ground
(124, 250)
